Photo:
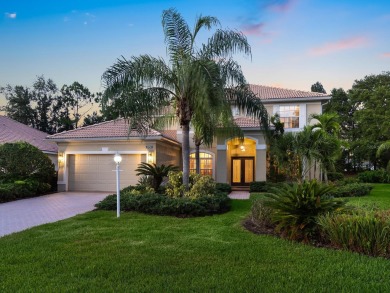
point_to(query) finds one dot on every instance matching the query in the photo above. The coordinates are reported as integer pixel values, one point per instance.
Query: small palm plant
(295, 208)
(156, 172)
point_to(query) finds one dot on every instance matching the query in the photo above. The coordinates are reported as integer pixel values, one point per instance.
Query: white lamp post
(118, 160)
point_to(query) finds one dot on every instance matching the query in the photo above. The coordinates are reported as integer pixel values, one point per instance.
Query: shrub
(335, 176)
(175, 187)
(158, 204)
(261, 215)
(295, 208)
(200, 185)
(258, 186)
(224, 187)
(351, 190)
(375, 176)
(365, 232)
(203, 185)
(21, 160)
(157, 173)
(22, 189)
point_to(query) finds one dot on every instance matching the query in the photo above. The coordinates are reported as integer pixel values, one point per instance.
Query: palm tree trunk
(186, 155)
(197, 158)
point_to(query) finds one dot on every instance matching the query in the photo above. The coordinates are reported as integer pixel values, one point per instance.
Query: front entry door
(242, 171)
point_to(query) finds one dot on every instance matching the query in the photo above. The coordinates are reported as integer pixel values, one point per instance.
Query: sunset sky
(294, 43)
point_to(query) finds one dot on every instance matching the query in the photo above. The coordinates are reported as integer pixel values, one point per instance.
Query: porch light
(150, 158)
(242, 148)
(118, 160)
(61, 159)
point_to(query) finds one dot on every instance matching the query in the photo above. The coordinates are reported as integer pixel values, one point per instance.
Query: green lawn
(379, 197)
(96, 252)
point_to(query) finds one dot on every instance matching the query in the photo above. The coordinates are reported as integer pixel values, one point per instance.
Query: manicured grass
(379, 197)
(96, 252)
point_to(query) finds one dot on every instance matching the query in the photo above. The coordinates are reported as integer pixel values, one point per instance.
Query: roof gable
(118, 129)
(13, 131)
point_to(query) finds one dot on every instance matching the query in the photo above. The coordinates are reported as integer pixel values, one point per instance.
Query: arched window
(206, 164)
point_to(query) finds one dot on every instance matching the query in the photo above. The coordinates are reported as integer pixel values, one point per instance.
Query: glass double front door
(242, 171)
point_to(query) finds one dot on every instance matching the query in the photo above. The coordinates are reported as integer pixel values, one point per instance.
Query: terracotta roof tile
(118, 128)
(271, 93)
(247, 122)
(12, 131)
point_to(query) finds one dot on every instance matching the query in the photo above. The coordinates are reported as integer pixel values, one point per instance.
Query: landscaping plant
(157, 173)
(295, 208)
(362, 231)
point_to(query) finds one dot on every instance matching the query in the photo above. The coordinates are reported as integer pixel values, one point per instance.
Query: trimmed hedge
(258, 186)
(22, 189)
(223, 187)
(351, 190)
(158, 204)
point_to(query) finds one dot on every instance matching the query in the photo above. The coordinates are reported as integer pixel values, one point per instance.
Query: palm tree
(195, 78)
(156, 172)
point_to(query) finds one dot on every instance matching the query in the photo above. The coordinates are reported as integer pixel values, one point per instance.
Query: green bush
(203, 186)
(224, 187)
(261, 215)
(21, 189)
(335, 176)
(375, 176)
(158, 204)
(365, 232)
(175, 187)
(21, 160)
(351, 190)
(258, 186)
(296, 207)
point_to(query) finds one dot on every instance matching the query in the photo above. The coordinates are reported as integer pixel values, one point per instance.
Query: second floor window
(289, 116)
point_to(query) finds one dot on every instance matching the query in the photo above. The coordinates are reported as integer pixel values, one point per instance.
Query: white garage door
(97, 172)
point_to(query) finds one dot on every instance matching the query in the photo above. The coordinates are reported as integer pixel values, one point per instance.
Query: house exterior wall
(147, 149)
(168, 154)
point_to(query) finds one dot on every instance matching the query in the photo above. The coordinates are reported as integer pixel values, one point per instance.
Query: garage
(92, 172)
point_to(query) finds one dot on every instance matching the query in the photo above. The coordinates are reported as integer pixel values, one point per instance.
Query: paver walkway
(239, 195)
(26, 213)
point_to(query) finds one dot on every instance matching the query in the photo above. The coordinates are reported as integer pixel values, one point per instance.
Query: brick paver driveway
(26, 213)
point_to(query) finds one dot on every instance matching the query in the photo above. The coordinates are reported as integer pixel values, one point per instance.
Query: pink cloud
(254, 29)
(344, 44)
(282, 6)
(386, 55)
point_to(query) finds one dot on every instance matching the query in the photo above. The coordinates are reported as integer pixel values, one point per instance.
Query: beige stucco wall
(168, 154)
(158, 150)
(313, 109)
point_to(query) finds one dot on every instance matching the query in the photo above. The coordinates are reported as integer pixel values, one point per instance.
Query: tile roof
(247, 122)
(271, 93)
(118, 128)
(12, 131)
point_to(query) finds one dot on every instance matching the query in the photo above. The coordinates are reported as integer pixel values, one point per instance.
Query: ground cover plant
(96, 252)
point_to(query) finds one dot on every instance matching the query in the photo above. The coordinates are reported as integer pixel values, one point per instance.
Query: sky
(295, 43)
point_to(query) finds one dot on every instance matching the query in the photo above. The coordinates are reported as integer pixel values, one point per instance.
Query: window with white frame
(206, 163)
(289, 116)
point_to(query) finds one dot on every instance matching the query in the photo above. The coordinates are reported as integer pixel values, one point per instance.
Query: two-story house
(86, 154)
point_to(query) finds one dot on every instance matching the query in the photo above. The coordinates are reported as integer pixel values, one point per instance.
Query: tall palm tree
(195, 78)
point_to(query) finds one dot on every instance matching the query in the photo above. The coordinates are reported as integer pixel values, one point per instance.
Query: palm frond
(177, 34)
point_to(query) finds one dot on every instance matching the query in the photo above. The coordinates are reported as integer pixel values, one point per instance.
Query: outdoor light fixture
(61, 159)
(118, 160)
(242, 148)
(150, 158)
